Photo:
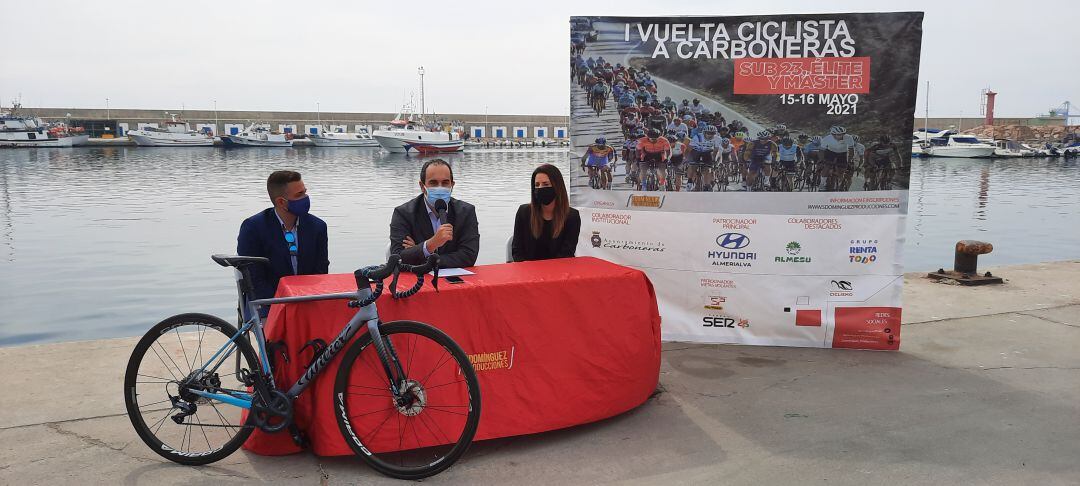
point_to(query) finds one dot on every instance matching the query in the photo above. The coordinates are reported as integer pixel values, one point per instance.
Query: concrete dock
(985, 390)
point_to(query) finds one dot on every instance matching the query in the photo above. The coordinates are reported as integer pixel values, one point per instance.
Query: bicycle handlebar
(393, 267)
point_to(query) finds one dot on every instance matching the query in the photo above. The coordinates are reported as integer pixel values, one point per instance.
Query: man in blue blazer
(294, 240)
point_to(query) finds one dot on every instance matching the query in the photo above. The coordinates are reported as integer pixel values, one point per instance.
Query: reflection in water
(104, 242)
(121, 236)
(1029, 216)
(984, 193)
(7, 224)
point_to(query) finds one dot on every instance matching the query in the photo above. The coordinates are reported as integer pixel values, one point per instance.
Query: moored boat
(343, 139)
(256, 135)
(175, 133)
(405, 134)
(947, 143)
(18, 130)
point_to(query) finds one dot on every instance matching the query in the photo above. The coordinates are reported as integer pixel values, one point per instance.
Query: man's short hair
(278, 181)
(423, 170)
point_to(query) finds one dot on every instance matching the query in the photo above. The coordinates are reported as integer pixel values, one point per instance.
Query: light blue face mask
(436, 193)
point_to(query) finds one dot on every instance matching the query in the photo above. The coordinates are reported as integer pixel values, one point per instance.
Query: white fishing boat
(343, 139)
(18, 130)
(405, 135)
(175, 133)
(1007, 148)
(256, 135)
(951, 144)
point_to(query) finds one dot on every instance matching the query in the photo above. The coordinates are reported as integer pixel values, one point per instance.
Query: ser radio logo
(724, 321)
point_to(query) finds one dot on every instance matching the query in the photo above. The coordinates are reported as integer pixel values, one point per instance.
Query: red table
(580, 337)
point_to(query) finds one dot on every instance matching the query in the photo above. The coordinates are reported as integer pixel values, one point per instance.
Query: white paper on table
(452, 272)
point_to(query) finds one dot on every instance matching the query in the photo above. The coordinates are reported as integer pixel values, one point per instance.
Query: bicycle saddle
(237, 260)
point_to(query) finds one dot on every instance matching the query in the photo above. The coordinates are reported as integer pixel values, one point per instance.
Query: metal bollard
(965, 265)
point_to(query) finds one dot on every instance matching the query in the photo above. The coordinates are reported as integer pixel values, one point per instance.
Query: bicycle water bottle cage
(317, 346)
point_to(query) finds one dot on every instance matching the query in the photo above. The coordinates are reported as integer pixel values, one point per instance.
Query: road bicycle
(406, 398)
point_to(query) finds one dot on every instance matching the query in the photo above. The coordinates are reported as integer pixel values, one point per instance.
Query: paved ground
(985, 390)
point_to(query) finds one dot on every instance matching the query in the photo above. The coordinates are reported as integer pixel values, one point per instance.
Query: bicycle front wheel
(432, 425)
(176, 357)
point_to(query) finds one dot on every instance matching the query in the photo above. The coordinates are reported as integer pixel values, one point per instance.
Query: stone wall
(1024, 133)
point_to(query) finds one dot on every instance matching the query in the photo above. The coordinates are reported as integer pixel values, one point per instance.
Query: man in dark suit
(415, 230)
(294, 240)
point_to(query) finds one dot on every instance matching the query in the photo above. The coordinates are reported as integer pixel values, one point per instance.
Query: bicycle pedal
(299, 437)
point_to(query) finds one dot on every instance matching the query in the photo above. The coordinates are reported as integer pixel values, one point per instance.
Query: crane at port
(1064, 110)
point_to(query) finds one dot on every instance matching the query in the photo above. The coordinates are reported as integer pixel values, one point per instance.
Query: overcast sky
(504, 56)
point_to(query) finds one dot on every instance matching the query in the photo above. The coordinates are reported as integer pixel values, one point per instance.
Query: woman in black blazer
(547, 227)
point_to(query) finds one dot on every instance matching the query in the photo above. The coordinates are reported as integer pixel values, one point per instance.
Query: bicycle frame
(367, 315)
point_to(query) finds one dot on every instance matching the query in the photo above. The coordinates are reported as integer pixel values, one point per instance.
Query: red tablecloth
(581, 337)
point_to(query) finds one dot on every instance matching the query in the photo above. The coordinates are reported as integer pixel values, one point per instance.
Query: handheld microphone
(440, 209)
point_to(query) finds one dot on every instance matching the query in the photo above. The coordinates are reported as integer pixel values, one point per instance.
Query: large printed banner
(756, 168)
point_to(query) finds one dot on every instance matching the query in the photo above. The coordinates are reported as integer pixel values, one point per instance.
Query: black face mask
(544, 195)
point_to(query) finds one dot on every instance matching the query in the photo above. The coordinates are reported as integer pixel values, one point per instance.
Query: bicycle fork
(388, 358)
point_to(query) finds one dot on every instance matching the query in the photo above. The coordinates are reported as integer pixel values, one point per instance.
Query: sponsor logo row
(715, 310)
(734, 245)
(656, 202)
(735, 249)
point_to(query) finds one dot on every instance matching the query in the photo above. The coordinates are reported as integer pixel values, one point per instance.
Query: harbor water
(106, 241)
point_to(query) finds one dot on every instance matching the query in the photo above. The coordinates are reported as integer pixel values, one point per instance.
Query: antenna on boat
(926, 117)
(420, 71)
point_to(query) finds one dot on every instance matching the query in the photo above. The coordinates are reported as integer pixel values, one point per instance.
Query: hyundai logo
(733, 241)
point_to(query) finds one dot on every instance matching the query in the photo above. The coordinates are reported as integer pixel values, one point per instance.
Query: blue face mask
(300, 206)
(436, 193)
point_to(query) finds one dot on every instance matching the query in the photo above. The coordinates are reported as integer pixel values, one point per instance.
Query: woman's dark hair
(562, 202)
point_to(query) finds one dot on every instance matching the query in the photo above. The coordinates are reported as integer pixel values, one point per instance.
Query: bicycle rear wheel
(167, 363)
(435, 423)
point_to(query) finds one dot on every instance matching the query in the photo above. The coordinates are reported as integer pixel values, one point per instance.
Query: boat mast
(420, 71)
(926, 117)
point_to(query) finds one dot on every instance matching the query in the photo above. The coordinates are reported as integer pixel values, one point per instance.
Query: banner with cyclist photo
(756, 168)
